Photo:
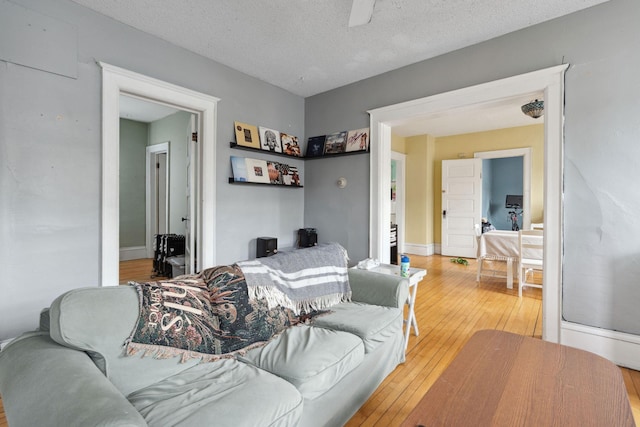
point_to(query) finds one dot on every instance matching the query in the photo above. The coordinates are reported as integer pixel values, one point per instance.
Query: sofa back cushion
(99, 321)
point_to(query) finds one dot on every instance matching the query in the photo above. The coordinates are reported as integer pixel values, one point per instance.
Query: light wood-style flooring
(137, 270)
(450, 307)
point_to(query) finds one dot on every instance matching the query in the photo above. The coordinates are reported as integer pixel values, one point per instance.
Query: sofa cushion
(312, 359)
(99, 321)
(222, 393)
(372, 323)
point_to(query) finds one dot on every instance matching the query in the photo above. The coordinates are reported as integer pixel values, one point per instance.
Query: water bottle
(404, 266)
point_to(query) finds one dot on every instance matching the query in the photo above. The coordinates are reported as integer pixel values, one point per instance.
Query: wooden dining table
(505, 379)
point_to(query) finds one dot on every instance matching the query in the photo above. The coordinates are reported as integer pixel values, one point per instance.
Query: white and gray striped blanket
(303, 280)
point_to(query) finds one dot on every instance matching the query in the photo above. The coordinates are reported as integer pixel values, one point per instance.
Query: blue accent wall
(503, 177)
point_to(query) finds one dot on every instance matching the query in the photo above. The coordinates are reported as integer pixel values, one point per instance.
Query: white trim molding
(618, 347)
(419, 249)
(551, 82)
(117, 81)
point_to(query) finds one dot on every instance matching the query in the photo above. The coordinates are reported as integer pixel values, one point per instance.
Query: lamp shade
(534, 109)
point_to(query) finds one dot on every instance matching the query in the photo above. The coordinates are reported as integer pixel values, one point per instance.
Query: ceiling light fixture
(534, 109)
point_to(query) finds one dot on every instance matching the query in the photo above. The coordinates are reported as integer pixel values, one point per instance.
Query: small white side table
(415, 276)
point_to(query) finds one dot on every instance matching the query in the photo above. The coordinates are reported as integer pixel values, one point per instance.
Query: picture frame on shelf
(315, 146)
(357, 140)
(335, 143)
(286, 174)
(290, 145)
(247, 135)
(239, 169)
(270, 140)
(273, 169)
(257, 171)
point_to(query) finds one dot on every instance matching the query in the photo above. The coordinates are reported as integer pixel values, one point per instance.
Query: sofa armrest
(44, 383)
(377, 288)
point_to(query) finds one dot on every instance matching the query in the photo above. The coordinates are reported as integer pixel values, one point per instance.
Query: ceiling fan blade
(361, 12)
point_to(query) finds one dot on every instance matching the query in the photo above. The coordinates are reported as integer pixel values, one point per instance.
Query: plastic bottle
(404, 266)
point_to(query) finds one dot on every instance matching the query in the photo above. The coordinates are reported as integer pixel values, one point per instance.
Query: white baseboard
(133, 252)
(418, 249)
(620, 348)
(437, 248)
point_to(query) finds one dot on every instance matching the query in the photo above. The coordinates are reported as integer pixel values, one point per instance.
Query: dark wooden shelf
(328, 156)
(325, 156)
(233, 181)
(256, 150)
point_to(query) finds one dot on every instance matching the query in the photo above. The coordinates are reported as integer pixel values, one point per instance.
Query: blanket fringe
(162, 352)
(275, 298)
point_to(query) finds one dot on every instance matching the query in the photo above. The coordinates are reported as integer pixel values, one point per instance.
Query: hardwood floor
(450, 307)
(137, 270)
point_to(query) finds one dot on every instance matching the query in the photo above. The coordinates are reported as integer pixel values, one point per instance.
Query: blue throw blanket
(303, 280)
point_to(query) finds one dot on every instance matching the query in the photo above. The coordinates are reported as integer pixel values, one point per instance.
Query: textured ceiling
(306, 46)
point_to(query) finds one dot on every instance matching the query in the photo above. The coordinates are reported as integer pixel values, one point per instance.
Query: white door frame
(118, 81)
(551, 82)
(400, 159)
(152, 152)
(525, 153)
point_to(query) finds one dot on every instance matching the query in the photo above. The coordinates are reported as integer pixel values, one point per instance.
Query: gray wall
(133, 153)
(602, 199)
(50, 152)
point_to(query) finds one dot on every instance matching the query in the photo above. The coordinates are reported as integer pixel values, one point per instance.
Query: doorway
(116, 82)
(551, 82)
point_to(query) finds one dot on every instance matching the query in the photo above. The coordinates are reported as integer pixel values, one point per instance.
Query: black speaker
(266, 246)
(307, 237)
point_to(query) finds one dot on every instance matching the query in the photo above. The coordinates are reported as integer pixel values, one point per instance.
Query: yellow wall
(418, 191)
(424, 173)
(398, 144)
(451, 147)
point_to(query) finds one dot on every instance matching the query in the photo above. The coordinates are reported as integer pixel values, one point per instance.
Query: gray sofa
(72, 372)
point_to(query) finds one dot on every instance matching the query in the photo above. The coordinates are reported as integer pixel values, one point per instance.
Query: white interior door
(461, 206)
(191, 218)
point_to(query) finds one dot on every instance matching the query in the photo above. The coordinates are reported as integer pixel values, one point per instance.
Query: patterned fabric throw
(207, 316)
(304, 280)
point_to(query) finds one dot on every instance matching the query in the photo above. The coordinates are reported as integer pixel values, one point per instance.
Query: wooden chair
(530, 244)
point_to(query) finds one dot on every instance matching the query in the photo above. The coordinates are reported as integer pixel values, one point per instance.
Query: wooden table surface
(505, 379)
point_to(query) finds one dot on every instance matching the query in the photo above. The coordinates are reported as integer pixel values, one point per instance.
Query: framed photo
(257, 171)
(273, 168)
(285, 173)
(290, 145)
(315, 146)
(239, 168)
(358, 140)
(270, 140)
(295, 177)
(247, 135)
(335, 143)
